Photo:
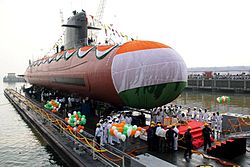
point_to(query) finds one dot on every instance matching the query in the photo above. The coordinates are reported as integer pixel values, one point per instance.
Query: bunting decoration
(108, 30)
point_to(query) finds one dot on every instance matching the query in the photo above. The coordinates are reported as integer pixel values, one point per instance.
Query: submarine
(138, 73)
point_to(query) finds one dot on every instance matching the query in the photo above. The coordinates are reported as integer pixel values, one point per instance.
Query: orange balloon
(133, 132)
(139, 129)
(81, 127)
(117, 125)
(122, 124)
(120, 129)
(66, 119)
(112, 132)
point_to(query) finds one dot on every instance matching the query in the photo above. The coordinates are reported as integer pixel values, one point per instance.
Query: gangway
(234, 125)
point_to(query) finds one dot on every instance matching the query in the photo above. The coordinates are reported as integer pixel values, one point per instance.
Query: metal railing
(110, 157)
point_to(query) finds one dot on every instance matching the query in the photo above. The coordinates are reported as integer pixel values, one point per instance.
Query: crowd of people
(221, 76)
(168, 141)
(180, 115)
(69, 102)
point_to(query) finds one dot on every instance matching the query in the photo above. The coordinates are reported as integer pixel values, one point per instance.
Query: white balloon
(77, 122)
(134, 127)
(114, 127)
(74, 113)
(119, 135)
(74, 129)
(137, 133)
(123, 137)
(129, 131)
(68, 121)
(74, 119)
(69, 114)
(116, 132)
(81, 131)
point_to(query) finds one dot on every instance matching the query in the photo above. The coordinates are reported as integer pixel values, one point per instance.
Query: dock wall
(239, 85)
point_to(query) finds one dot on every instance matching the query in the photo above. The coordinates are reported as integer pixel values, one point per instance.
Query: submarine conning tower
(76, 31)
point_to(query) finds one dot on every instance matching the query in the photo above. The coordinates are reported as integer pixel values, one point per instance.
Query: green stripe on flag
(152, 96)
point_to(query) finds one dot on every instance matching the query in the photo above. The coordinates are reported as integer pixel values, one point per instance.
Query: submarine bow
(147, 74)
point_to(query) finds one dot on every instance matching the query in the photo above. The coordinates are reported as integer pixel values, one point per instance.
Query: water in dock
(239, 103)
(20, 145)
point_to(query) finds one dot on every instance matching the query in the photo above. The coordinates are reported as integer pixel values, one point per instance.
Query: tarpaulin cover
(147, 67)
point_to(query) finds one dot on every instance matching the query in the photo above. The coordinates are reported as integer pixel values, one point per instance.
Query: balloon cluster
(123, 130)
(52, 105)
(223, 99)
(76, 121)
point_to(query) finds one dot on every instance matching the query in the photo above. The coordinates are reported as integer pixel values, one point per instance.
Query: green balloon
(134, 127)
(125, 129)
(124, 132)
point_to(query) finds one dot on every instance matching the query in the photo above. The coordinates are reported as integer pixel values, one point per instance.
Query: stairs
(197, 137)
(228, 149)
(196, 132)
